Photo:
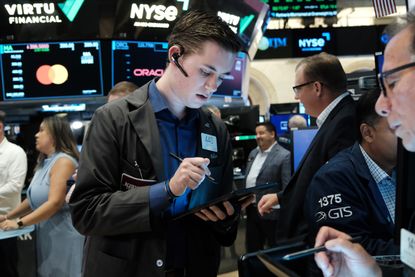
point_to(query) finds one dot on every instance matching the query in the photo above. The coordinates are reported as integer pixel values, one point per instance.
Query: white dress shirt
(13, 168)
(256, 166)
(325, 113)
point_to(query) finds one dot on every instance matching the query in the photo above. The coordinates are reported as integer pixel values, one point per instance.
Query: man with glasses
(397, 104)
(130, 183)
(321, 86)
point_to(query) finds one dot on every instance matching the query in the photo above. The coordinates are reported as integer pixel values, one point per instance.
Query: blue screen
(301, 139)
(280, 121)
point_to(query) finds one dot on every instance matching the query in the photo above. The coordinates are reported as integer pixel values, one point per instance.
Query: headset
(175, 59)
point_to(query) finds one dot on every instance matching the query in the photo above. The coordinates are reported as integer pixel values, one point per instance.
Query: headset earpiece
(175, 57)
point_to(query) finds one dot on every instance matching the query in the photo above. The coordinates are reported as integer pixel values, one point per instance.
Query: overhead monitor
(138, 61)
(301, 140)
(301, 8)
(50, 70)
(232, 86)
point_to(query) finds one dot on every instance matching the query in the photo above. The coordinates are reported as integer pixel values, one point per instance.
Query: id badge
(408, 248)
(209, 142)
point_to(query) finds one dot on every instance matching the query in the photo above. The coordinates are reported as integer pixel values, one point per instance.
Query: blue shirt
(386, 184)
(178, 136)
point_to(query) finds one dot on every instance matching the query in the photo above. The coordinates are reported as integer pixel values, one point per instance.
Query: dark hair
(122, 88)
(268, 126)
(195, 27)
(60, 131)
(365, 110)
(2, 116)
(325, 68)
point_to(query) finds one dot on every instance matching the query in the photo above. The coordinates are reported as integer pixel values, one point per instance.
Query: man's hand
(214, 213)
(267, 202)
(344, 258)
(190, 173)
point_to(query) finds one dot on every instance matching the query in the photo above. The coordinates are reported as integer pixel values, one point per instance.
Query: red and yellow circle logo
(56, 74)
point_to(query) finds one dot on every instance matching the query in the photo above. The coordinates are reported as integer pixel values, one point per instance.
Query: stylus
(204, 167)
(307, 252)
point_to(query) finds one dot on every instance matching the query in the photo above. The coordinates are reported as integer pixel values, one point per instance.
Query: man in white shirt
(13, 168)
(267, 163)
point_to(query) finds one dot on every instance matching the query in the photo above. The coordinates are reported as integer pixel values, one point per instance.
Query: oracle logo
(140, 72)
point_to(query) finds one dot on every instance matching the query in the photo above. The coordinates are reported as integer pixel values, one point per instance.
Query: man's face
(385, 142)
(306, 94)
(206, 70)
(264, 138)
(399, 106)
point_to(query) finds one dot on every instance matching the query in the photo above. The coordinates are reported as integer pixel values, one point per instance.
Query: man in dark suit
(267, 163)
(321, 86)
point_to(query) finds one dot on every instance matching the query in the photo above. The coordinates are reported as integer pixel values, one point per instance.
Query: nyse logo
(155, 16)
(314, 44)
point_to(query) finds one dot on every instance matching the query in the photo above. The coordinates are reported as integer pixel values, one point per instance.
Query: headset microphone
(175, 59)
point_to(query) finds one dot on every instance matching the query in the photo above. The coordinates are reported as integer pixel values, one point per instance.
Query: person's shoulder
(15, 148)
(282, 150)
(339, 163)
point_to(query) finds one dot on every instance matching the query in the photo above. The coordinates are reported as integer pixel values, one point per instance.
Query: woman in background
(58, 244)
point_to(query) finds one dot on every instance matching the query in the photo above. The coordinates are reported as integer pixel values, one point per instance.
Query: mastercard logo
(56, 74)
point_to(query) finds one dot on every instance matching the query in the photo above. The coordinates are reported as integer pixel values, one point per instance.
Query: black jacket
(124, 239)
(344, 195)
(337, 132)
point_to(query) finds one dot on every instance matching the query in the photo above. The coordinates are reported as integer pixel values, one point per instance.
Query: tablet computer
(235, 197)
(276, 269)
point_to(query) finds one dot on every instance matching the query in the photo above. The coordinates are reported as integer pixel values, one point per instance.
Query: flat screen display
(302, 8)
(48, 70)
(232, 86)
(280, 121)
(301, 140)
(138, 61)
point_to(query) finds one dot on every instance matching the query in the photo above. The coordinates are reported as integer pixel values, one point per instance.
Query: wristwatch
(20, 223)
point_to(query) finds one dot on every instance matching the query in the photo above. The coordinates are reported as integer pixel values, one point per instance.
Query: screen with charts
(301, 8)
(301, 139)
(138, 61)
(47, 70)
(232, 86)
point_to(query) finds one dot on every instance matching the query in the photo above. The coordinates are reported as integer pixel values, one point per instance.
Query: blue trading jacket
(343, 195)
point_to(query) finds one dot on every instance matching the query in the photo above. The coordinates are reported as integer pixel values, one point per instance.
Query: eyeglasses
(383, 81)
(297, 88)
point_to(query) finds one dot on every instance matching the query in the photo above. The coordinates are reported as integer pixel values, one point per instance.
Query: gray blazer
(276, 169)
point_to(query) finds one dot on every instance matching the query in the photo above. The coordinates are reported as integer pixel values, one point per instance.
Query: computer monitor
(300, 8)
(241, 120)
(280, 121)
(232, 86)
(301, 140)
(137, 61)
(50, 70)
